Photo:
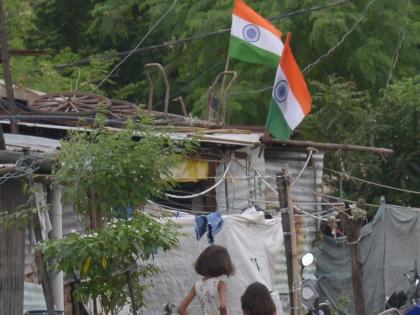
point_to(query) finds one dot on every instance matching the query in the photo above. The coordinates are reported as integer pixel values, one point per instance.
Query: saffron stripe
(241, 9)
(295, 78)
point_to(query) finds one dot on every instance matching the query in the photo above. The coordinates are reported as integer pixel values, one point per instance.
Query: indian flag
(291, 100)
(253, 38)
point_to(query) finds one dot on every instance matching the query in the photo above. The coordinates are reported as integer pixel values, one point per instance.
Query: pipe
(57, 282)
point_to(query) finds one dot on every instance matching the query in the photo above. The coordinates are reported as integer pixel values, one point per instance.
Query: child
(257, 300)
(211, 290)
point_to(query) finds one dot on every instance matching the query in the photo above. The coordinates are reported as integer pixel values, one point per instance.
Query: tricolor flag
(253, 38)
(291, 100)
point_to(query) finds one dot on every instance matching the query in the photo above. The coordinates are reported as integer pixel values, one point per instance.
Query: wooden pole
(40, 262)
(223, 98)
(290, 243)
(327, 146)
(352, 229)
(5, 58)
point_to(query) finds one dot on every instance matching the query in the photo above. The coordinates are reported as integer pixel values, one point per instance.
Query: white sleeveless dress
(208, 296)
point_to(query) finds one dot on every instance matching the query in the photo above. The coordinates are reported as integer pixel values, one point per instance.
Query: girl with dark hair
(257, 300)
(211, 291)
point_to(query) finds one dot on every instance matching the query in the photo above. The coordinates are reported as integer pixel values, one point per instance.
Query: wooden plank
(352, 229)
(290, 243)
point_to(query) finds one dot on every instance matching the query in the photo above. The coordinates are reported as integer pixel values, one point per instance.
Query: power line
(332, 49)
(138, 45)
(199, 37)
(398, 46)
(322, 57)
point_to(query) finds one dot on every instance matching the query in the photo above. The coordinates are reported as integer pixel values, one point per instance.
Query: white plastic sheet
(254, 244)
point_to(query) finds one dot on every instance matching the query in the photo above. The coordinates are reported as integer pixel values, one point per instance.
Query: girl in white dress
(211, 291)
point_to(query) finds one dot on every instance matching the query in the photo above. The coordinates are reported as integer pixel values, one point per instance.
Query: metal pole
(57, 283)
(5, 58)
(2, 141)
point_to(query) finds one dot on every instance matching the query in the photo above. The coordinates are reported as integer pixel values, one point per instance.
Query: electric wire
(332, 49)
(137, 46)
(200, 36)
(398, 47)
(325, 55)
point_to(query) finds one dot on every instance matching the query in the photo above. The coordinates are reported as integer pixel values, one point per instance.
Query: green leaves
(112, 171)
(102, 259)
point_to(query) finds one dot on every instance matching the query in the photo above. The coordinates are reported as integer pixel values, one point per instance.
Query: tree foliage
(107, 260)
(350, 104)
(108, 176)
(111, 171)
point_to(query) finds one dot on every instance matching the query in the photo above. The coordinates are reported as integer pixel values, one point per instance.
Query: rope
(137, 46)
(310, 214)
(303, 169)
(372, 183)
(205, 191)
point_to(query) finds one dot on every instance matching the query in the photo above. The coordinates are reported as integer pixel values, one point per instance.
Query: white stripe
(267, 40)
(292, 111)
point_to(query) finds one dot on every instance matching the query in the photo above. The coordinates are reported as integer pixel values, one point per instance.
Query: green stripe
(276, 124)
(245, 51)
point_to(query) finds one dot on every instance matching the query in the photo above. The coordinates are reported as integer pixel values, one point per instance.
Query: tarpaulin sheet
(190, 171)
(254, 244)
(389, 248)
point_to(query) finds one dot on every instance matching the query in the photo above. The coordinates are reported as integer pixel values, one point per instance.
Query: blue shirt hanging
(211, 223)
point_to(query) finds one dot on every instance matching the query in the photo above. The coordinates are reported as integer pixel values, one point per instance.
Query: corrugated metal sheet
(39, 144)
(243, 190)
(293, 161)
(11, 250)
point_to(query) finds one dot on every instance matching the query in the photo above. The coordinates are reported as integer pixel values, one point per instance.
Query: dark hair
(214, 261)
(257, 300)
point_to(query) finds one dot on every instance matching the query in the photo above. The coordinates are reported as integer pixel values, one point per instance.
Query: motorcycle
(406, 302)
(310, 292)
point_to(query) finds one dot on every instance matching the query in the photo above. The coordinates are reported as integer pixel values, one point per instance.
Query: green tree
(99, 27)
(108, 175)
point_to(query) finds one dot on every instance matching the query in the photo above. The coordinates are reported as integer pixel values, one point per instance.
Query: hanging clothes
(210, 224)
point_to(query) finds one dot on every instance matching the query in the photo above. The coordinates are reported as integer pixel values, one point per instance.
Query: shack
(233, 169)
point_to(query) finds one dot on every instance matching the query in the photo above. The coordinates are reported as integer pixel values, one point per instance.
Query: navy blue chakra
(251, 33)
(281, 90)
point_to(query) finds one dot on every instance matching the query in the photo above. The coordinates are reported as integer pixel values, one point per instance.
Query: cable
(138, 45)
(399, 46)
(205, 191)
(200, 36)
(322, 57)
